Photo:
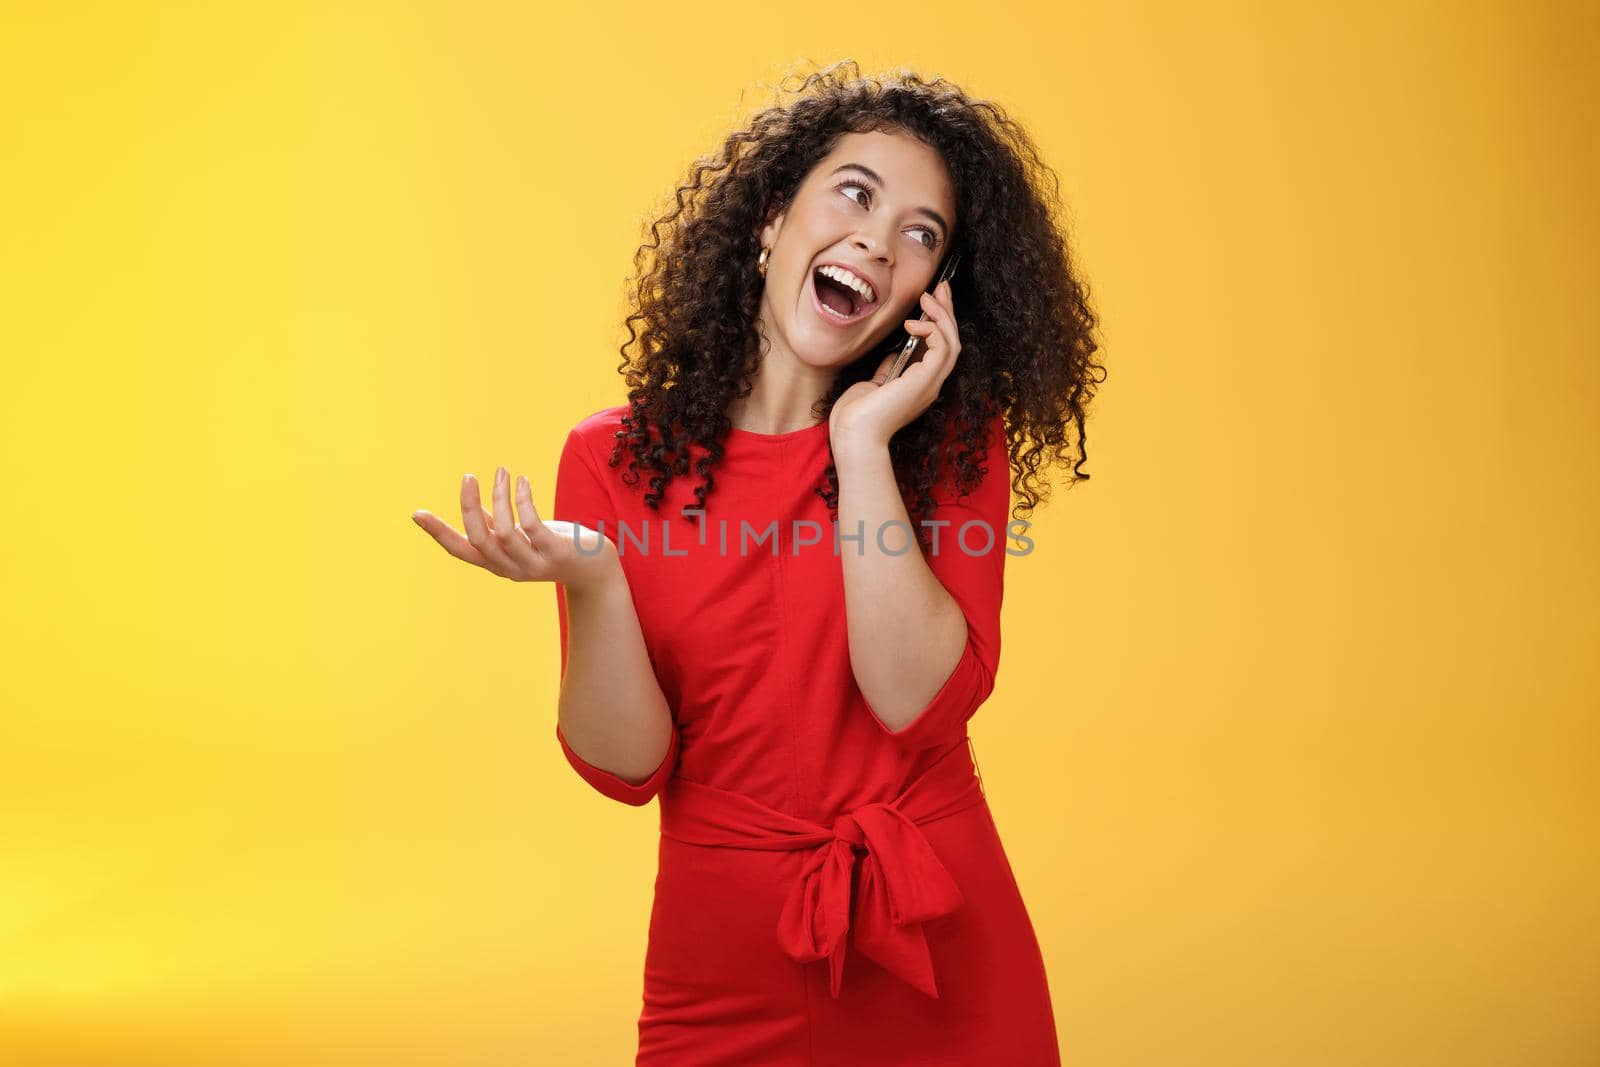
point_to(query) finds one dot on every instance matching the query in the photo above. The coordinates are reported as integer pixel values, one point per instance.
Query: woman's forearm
(906, 632)
(612, 711)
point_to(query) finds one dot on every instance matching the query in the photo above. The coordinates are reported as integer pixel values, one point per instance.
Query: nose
(870, 244)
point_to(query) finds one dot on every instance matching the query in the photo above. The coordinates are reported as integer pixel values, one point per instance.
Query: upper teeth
(845, 277)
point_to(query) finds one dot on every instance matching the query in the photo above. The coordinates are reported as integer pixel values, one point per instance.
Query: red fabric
(797, 831)
(903, 883)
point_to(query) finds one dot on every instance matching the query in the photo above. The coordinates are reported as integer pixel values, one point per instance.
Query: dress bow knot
(902, 885)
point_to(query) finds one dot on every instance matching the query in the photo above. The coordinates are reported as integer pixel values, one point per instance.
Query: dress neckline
(734, 433)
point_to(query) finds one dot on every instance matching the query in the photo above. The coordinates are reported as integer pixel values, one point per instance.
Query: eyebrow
(873, 176)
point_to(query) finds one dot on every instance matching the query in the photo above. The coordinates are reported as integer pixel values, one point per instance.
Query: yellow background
(1294, 747)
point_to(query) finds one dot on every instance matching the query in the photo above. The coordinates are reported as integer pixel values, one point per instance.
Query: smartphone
(913, 342)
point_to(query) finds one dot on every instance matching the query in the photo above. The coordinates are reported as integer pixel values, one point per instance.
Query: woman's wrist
(850, 443)
(596, 573)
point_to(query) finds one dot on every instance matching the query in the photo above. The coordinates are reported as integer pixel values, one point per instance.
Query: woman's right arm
(613, 721)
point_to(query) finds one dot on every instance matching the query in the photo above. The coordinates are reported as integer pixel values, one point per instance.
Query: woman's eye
(933, 238)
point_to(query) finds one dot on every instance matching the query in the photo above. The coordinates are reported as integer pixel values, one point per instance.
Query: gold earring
(761, 262)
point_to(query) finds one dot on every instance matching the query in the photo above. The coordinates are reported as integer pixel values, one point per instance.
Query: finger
(513, 538)
(479, 531)
(527, 514)
(939, 306)
(472, 508)
(939, 315)
(944, 318)
(542, 537)
(927, 334)
(885, 365)
(495, 552)
(505, 522)
(450, 539)
(948, 299)
(933, 340)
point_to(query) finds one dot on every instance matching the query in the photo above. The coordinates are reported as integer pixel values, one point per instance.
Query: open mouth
(836, 302)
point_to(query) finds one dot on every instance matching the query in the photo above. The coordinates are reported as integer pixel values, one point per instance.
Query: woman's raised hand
(876, 410)
(530, 551)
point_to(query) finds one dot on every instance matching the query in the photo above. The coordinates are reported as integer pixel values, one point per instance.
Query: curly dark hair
(1025, 322)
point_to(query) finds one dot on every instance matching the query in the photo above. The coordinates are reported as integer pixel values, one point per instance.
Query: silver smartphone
(913, 342)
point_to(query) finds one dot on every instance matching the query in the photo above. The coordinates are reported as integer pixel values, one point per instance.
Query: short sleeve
(969, 559)
(581, 497)
(620, 789)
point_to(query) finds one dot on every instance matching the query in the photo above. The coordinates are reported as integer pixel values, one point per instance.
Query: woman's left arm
(924, 630)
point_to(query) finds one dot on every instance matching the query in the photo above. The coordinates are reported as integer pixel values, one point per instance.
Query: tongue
(836, 296)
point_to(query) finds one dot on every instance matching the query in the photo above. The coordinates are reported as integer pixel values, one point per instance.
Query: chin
(821, 350)
(832, 358)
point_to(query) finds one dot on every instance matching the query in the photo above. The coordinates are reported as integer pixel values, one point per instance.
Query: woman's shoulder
(606, 420)
(599, 431)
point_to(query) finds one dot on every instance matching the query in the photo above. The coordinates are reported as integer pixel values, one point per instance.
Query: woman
(760, 644)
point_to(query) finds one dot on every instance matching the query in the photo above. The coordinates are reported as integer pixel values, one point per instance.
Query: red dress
(827, 892)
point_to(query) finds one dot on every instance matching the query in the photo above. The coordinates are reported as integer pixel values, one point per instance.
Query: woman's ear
(768, 236)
